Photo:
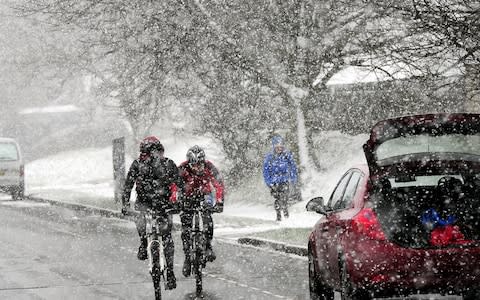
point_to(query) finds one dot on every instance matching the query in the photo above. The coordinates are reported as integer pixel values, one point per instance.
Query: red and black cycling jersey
(203, 182)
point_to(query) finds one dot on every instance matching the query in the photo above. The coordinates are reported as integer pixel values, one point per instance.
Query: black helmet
(195, 155)
(151, 143)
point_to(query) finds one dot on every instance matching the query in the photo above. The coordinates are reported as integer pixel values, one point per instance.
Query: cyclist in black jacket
(156, 179)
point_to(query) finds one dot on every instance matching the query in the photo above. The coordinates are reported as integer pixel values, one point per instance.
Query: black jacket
(153, 178)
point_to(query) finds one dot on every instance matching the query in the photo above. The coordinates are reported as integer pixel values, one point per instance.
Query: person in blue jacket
(279, 173)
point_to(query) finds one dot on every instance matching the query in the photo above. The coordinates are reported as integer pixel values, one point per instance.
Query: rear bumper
(386, 267)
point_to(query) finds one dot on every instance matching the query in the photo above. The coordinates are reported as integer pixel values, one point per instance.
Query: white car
(12, 176)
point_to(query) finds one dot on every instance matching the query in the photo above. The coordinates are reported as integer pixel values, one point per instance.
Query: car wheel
(318, 291)
(18, 192)
(347, 291)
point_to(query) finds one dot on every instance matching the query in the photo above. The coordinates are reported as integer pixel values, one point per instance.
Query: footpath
(242, 230)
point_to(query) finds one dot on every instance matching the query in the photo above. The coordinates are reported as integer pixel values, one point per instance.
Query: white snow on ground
(49, 109)
(71, 169)
(86, 176)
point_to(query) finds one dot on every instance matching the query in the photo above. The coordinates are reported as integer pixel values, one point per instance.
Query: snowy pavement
(85, 176)
(237, 220)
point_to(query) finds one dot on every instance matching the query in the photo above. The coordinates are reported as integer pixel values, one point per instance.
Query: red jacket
(202, 183)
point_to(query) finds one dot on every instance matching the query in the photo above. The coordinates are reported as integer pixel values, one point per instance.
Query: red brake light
(22, 170)
(366, 223)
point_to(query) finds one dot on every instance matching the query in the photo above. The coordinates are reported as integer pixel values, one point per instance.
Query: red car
(408, 222)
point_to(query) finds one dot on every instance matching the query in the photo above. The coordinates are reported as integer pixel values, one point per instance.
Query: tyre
(18, 192)
(197, 268)
(318, 291)
(156, 272)
(347, 291)
(156, 275)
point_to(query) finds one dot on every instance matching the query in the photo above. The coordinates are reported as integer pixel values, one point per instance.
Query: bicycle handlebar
(164, 212)
(194, 203)
(131, 212)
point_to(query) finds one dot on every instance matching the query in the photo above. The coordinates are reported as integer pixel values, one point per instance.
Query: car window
(423, 180)
(451, 143)
(349, 191)
(8, 151)
(338, 192)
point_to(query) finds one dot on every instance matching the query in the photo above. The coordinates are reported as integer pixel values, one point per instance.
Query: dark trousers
(168, 245)
(280, 194)
(186, 218)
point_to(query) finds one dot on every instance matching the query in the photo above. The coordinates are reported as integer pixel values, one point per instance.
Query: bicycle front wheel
(156, 271)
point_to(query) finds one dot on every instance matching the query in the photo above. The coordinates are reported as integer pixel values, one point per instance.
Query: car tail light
(22, 170)
(366, 223)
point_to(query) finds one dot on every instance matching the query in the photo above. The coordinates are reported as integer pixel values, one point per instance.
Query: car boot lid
(430, 137)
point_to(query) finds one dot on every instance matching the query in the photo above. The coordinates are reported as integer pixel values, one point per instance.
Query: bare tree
(285, 51)
(293, 48)
(437, 38)
(131, 49)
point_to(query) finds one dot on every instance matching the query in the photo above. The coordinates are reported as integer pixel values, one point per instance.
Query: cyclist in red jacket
(201, 181)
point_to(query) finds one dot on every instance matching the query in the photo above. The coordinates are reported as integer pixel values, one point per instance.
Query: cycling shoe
(210, 255)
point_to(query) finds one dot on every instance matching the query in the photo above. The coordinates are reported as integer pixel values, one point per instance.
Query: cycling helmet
(150, 143)
(195, 155)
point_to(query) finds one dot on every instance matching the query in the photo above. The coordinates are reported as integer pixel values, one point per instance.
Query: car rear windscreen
(8, 151)
(424, 180)
(411, 144)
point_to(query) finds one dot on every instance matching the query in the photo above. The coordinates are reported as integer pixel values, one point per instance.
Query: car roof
(7, 140)
(362, 167)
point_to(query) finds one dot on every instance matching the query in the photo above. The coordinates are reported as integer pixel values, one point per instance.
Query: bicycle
(157, 225)
(198, 242)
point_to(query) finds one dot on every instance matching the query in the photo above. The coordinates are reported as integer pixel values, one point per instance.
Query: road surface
(47, 252)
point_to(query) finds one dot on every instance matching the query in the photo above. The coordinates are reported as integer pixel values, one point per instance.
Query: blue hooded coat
(279, 168)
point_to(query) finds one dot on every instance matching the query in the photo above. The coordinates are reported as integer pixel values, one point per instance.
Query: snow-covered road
(49, 252)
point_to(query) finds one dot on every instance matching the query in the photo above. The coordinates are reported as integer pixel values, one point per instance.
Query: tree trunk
(302, 138)
(311, 150)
